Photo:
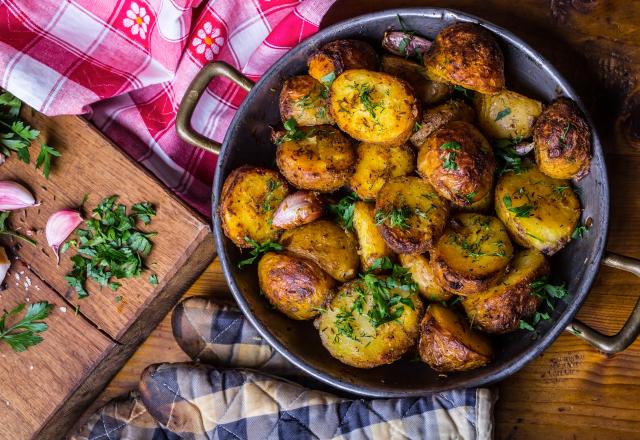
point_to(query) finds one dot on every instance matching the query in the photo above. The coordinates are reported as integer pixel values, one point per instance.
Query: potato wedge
(427, 90)
(507, 114)
(372, 245)
(326, 244)
(410, 214)
(322, 161)
(539, 211)
(305, 100)
(373, 107)
(376, 163)
(439, 116)
(248, 200)
(473, 252)
(500, 308)
(335, 57)
(447, 342)
(421, 271)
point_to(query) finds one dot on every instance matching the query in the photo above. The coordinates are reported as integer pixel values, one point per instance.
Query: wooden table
(570, 391)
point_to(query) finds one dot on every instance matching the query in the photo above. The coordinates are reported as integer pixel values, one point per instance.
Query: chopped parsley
(469, 197)
(559, 190)
(25, 333)
(417, 126)
(267, 203)
(364, 91)
(502, 113)
(257, 249)
(505, 152)
(519, 211)
(465, 94)
(548, 292)
(397, 217)
(293, 133)
(579, 231)
(563, 136)
(343, 210)
(450, 148)
(328, 79)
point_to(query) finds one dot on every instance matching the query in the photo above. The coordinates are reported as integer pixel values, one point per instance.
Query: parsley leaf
(469, 197)
(328, 79)
(519, 211)
(144, 211)
(505, 152)
(450, 148)
(4, 228)
(542, 289)
(25, 332)
(257, 250)
(13, 104)
(364, 91)
(397, 217)
(293, 133)
(502, 113)
(44, 159)
(153, 279)
(343, 210)
(579, 232)
(465, 94)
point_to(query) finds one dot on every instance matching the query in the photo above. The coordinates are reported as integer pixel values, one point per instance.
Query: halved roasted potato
(483, 205)
(539, 211)
(248, 200)
(507, 114)
(500, 308)
(321, 161)
(427, 90)
(372, 245)
(473, 252)
(305, 100)
(562, 140)
(458, 161)
(335, 57)
(295, 286)
(467, 55)
(373, 107)
(326, 244)
(376, 163)
(410, 214)
(421, 271)
(439, 116)
(354, 337)
(448, 343)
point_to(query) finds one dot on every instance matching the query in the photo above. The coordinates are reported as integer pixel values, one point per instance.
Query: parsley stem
(21, 237)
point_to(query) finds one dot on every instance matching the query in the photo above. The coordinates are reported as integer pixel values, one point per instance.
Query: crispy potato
(473, 252)
(337, 56)
(372, 245)
(347, 331)
(248, 200)
(459, 163)
(507, 115)
(447, 342)
(467, 55)
(295, 286)
(427, 90)
(483, 205)
(305, 100)
(322, 161)
(439, 116)
(410, 214)
(539, 211)
(373, 107)
(562, 140)
(500, 308)
(326, 244)
(421, 271)
(376, 163)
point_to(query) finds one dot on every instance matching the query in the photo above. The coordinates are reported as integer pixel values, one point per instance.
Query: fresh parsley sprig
(397, 217)
(506, 155)
(25, 333)
(293, 133)
(343, 210)
(579, 231)
(44, 159)
(519, 211)
(449, 149)
(548, 292)
(4, 229)
(257, 250)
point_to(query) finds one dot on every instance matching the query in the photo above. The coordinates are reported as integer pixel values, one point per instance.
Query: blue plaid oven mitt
(235, 392)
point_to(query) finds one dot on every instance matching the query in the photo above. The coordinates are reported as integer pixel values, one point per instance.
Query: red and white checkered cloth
(127, 63)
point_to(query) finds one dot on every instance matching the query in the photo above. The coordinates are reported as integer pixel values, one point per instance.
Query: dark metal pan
(248, 142)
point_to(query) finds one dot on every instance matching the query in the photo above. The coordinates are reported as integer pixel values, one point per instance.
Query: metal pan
(248, 142)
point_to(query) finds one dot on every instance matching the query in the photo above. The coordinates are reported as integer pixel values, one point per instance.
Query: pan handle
(630, 330)
(192, 96)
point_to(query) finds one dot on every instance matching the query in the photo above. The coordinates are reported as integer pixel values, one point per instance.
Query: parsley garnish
(417, 126)
(508, 159)
(469, 197)
(542, 289)
(563, 136)
(520, 211)
(466, 94)
(293, 132)
(272, 185)
(4, 228)
(44, 159)
(25, 332)
(328, 79)
(560, 189)
(397, 217)
(450, 149)
(153, 279)
(344, 210)
(364, 90)
(579, 231)
(504, 112)
(257, 250)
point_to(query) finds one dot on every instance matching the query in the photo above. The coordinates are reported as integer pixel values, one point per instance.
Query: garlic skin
(5, 264)
(59, 226)
(298, 209)
(14, 196)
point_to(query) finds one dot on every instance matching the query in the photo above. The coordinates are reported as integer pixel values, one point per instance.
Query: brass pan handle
(192, 96)
(630, 330)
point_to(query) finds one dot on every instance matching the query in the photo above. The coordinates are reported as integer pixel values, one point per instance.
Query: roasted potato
(539, 211)
(483, 205)
(459, 163)
(326, 244)
(295, 286)
(473, 252)
(507, 115)
(373, 107)
(562, 140)
(467, 55)
(376, 163)
(351, 334)
(427, 90)
(321, 161)
(439, 116)
(410, 214)
(305, 100)
(447, 342)
(335, 57)
(421, 271)
(248, 200)
(372, 245)
(500, 308)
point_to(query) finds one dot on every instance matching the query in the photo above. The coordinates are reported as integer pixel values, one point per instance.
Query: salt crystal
(63, 309)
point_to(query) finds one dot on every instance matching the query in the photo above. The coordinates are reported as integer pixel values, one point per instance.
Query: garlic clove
(298, 209)
(5, 264)
(59, 226)
(14, 196)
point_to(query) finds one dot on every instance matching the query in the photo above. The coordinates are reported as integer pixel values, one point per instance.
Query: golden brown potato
(562, 140)
(410, 214)
(459, 163)
(372, 245)
(473, 252)
(335, 57)
(373, 107)
(305, 100)
(322, 161)
(439, 116)
(500, 308)
(376, 163)
(352, 336)
(421, 271)
(467, 55)
(483, 205)
(447, 342)
(248, 200)
(326, 244)
(539, 211)
(427, 90)
(295, 286)
(507, 115)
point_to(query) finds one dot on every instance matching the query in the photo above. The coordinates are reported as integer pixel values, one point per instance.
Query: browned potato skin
(376, 164)
(427, 90)
(340, 55)
(475, 163)
(482, 206)
(295, 286)
(372, 245)
(558, 154)
(421, 271)
(439, 116)
(301, 99)
(467, 55)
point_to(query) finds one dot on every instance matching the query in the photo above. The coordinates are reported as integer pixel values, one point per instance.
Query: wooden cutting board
(43, 390)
